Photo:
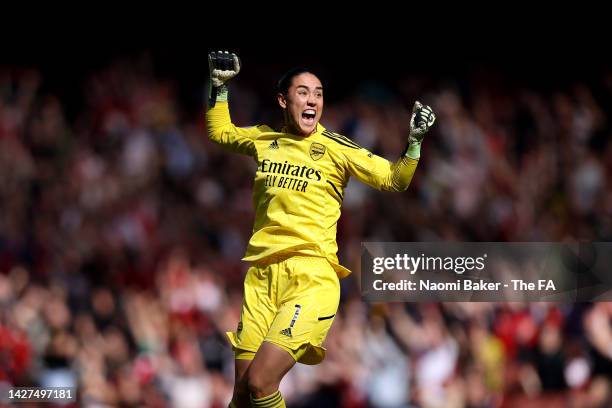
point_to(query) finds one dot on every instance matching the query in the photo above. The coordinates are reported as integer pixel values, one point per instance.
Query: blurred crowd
(122, 229)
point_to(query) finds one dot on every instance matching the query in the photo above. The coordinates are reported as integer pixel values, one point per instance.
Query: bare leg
(268, 368)
(241, 397)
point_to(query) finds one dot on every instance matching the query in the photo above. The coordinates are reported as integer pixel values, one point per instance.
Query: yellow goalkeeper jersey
(299, 184)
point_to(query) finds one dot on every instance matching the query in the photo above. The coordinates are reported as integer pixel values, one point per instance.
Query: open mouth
(308, 116)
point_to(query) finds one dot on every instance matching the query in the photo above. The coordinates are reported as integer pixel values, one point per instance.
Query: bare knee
(268, 368)
(261, 385)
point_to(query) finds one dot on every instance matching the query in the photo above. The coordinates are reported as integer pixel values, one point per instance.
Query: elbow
(398, 185)
(400, 188)
(404, 186)
(215, 133)
(395, 188)
(402, 177)
(212, 135)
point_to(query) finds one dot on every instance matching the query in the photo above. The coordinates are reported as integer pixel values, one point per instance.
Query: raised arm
(384, 175)
(223, 66)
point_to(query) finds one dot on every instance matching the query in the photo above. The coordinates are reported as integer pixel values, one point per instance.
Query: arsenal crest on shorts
(317, 150)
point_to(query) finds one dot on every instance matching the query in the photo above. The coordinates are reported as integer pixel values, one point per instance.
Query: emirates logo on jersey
(317, 150)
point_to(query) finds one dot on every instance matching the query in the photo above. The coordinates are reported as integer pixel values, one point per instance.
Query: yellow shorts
(290, 303)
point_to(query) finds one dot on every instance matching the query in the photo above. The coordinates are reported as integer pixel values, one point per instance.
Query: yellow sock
(271, 401)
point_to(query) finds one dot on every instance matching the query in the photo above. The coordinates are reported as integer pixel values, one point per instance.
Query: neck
(294, 130)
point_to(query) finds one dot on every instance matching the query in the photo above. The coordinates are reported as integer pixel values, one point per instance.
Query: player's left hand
(422, 119)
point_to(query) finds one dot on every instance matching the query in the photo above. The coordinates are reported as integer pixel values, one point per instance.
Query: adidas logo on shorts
(274, 145)
(287, 331)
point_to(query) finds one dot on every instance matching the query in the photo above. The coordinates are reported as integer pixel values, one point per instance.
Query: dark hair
(285, 82)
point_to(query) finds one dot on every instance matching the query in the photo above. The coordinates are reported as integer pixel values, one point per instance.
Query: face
(303, 104)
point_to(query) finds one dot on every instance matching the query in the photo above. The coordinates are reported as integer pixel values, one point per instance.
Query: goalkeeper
(291, 289)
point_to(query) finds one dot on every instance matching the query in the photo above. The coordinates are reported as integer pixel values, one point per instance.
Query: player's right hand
(223, 66)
